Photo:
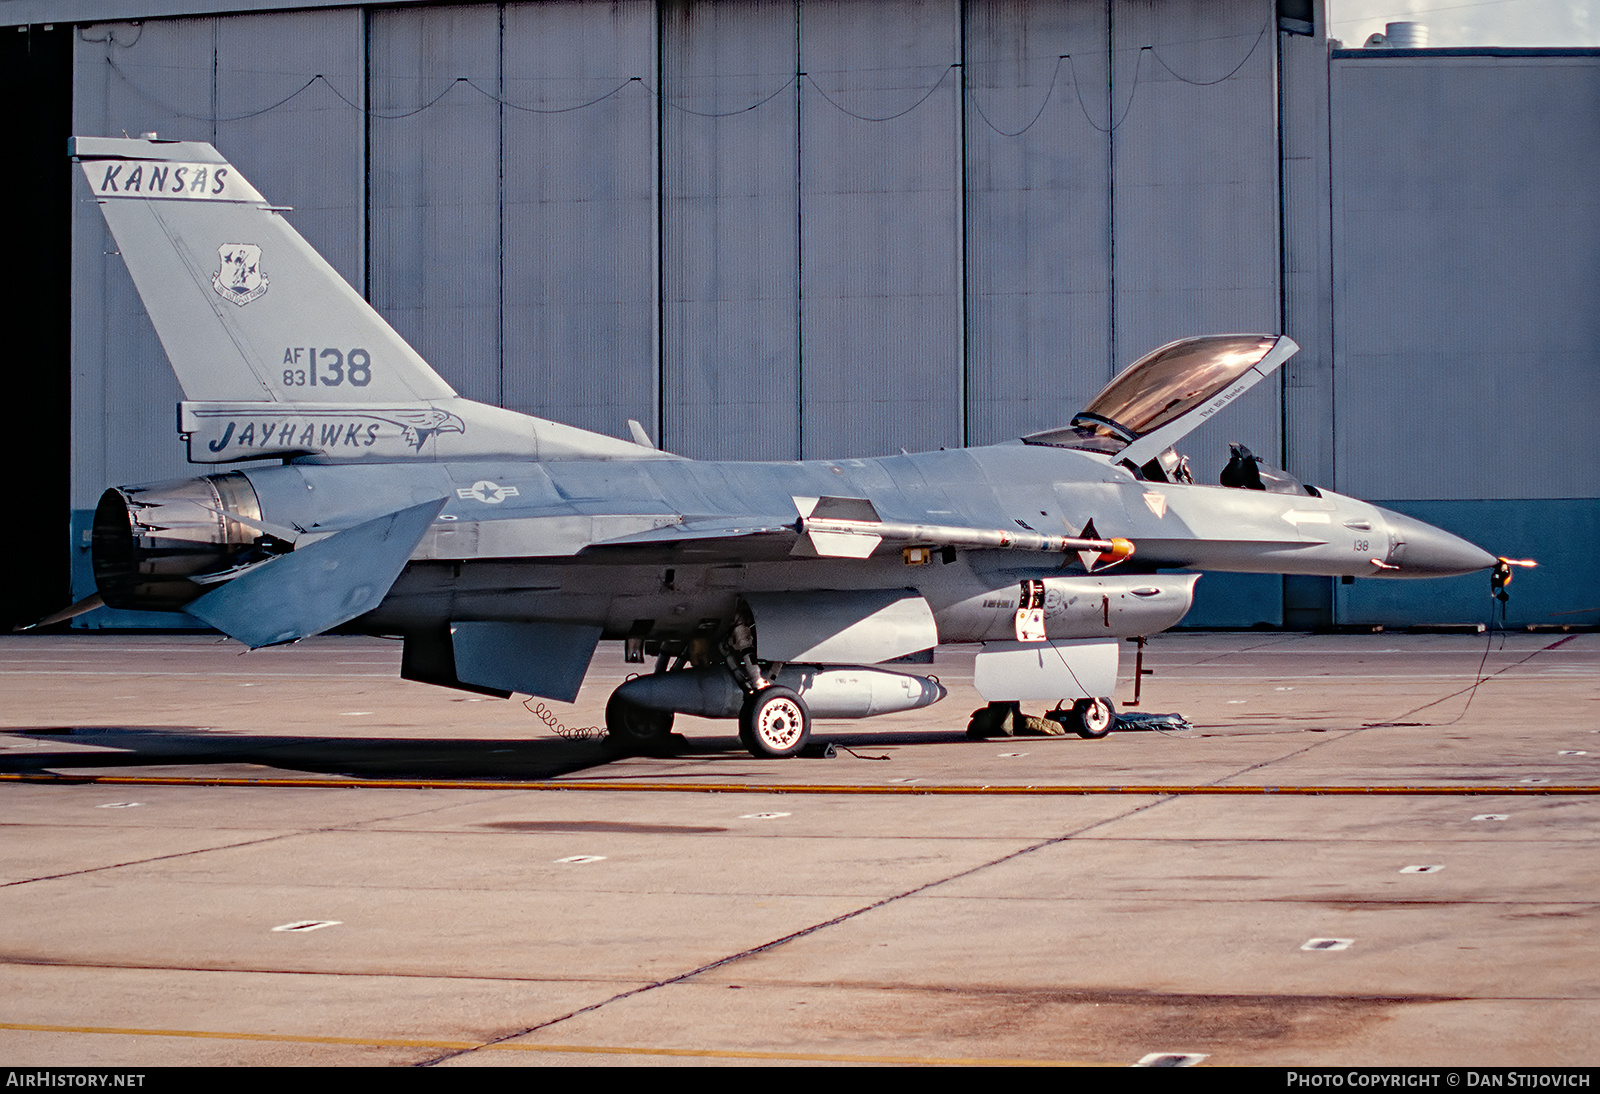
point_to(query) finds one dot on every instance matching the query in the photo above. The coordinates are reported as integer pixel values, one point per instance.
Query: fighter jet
(503, 548)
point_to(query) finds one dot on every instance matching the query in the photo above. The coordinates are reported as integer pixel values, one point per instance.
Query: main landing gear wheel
(774, 724)
(635, 729)
(1092, 718)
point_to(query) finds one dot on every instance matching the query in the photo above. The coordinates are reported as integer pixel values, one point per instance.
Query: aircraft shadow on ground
(384, 757)
(364, 757)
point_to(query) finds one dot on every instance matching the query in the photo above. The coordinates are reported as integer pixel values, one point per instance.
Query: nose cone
(1421, 550)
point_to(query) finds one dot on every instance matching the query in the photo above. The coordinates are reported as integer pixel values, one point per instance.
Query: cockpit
(1170, 391)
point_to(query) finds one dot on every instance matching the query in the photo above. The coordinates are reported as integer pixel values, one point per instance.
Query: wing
(708, 539)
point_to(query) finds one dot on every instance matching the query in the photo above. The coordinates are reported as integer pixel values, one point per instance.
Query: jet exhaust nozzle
(159, 546)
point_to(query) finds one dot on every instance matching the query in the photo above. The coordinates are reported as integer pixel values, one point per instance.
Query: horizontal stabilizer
(319, 586)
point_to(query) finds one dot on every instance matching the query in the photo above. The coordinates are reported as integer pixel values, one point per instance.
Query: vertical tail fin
(245, 308)
(275, 351)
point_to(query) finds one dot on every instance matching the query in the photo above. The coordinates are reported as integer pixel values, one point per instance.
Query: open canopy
(1168, 392)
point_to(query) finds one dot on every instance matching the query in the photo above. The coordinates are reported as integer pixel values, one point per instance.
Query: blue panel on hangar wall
(1559, 533)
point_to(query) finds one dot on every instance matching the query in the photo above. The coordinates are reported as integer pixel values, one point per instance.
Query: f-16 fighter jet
(502, 547)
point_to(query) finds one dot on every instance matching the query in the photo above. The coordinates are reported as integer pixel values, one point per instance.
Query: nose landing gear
(1090, 718)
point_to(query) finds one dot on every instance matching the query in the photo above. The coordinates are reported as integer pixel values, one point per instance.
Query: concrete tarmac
(475, 889)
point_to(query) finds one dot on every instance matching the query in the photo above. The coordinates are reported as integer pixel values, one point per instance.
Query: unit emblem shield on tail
(239, 277)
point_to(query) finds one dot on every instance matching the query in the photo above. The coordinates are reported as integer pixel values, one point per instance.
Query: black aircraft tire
(774, 724)
(632, 728)
(1092, 718)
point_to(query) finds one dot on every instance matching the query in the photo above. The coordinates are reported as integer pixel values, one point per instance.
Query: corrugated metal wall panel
(1560, 533)
(930, 247)
(885, 324)
(730, 229)
(1308, 256)
(128, 78)
(1037, 240)
(1195, 193)
(1467, 270)
(880, 280)
(434, 187)
(308, 151)
(580, 289)
(178, 78)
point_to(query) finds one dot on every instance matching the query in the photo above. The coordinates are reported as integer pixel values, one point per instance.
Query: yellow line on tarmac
(775, 788)
(513, 1046)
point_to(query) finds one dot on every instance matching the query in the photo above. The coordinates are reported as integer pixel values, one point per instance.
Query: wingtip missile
(846, 538)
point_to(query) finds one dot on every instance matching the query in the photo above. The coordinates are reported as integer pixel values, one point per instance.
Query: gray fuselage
(520, 540)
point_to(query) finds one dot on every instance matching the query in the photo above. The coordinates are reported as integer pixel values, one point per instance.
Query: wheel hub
(779, 724)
